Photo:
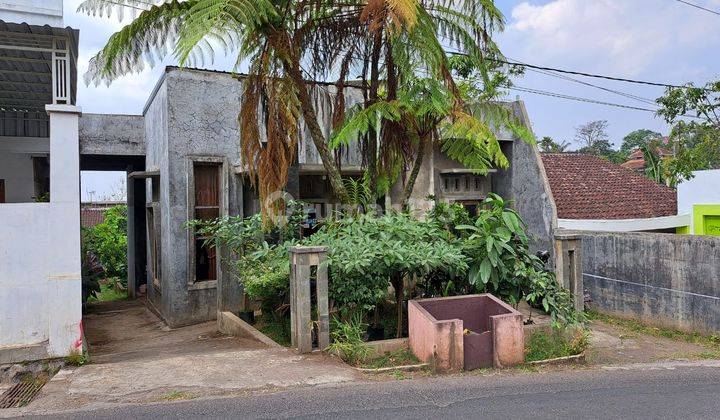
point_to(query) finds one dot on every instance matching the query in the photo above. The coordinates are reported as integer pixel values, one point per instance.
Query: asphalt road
(648, 392)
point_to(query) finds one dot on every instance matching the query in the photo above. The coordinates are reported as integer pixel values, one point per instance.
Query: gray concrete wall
(192, 115)
(666, 279)
(155, 128)
(119, 135)
(529, 189)
(202, 122)
(524, 183)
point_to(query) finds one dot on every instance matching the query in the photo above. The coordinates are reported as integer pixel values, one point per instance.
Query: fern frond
(361, 120)
(471, 142)
(226, 22)
(146, 38)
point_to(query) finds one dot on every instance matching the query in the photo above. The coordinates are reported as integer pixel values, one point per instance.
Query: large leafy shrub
(448, 253)
(501, 263)
(366, 252)
(108, 242)
(259, 256)
(497, 246)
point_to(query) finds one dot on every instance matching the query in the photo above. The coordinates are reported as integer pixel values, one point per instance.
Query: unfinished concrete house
(182, 158)
(40, 300)
(188, 138)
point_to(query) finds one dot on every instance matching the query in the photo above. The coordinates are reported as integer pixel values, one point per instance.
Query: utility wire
(578, 98)
(582, 82)
(577, 73)
(697, 6)
(549, 71)
(532, 66)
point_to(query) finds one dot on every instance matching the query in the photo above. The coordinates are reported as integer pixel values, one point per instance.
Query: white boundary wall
(40, 268)
(625, 225)
(703, 188)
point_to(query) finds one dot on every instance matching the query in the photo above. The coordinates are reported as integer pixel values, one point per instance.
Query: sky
(663, 41)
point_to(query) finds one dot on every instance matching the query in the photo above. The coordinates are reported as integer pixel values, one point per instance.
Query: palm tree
(280, 38)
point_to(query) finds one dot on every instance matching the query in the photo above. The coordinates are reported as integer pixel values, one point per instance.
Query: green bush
(259, 254)
(108, 242)
(366, 252)
(348, 339)
(448, 253)
(497, 246)
(544, 345)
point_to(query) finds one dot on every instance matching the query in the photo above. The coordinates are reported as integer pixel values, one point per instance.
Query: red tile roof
(635, 164)
(587, 187)
(92, 214)
(90, 217)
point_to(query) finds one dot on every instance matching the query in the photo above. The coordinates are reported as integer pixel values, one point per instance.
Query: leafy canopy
(108, 242)
(367, 251)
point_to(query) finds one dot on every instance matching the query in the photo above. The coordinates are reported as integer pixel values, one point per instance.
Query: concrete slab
(136, 358)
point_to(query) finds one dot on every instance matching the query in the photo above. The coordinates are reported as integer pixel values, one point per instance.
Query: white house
(40, 268)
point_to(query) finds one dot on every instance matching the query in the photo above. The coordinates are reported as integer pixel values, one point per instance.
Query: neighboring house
(593, 194)
(636, 159)
(186, 146)
(92, 214)
(699, 197)
(40, 309)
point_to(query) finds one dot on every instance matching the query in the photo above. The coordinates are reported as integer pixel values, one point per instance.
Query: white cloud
(617, 36)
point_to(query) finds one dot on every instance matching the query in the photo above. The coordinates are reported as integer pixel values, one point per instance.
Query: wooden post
(302, 259)
(568, 266)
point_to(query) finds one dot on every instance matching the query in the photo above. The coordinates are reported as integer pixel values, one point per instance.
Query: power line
(549, 71)
(578, 98)
(577, 73)
(587, 100)
(697, 6)
(582, 82)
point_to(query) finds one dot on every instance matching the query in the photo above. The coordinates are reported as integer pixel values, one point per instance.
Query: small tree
(695, 141)
(638, 138)
(590, 134)
(368, 252)
(108, 242)
(548, 145)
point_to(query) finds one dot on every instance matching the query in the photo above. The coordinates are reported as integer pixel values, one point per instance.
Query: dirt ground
(613, 344)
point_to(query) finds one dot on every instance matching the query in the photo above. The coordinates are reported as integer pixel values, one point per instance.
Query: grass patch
(544, 345)
(672, 334)
(399, 357)
(176, 396)
(278, 331)
(77, 359)
(108, 293)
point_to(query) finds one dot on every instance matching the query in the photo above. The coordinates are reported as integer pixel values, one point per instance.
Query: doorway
(108, 191)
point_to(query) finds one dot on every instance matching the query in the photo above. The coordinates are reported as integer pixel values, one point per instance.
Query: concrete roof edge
(154, 91)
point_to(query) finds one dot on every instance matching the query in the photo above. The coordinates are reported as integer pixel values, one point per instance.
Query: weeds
(669, 333)
(401, 357)
(175, 396)
(77, 359)
(347, 339)
(544, 345)
(277, 330)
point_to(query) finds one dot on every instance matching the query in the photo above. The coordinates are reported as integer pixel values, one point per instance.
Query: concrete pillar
(302, 259)
(568, 266)
(64, 297)
(132, 278)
